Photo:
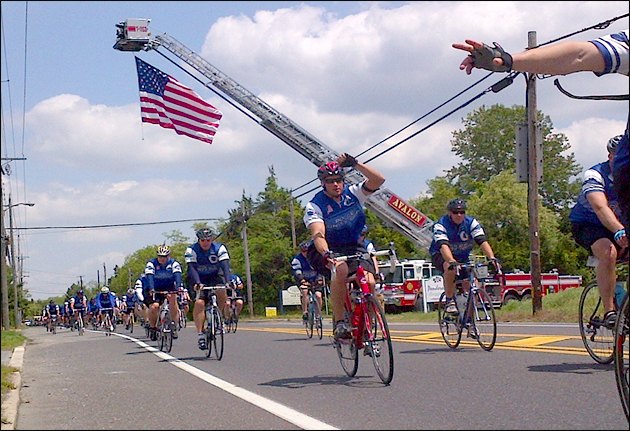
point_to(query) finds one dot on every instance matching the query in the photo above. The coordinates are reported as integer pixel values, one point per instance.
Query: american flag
(172, 105)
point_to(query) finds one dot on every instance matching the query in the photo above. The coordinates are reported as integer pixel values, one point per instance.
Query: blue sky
(350, 73)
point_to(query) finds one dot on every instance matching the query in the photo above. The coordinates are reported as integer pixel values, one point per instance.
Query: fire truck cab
(403, 285)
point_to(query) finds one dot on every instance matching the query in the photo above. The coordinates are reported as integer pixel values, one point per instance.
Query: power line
(114, 225)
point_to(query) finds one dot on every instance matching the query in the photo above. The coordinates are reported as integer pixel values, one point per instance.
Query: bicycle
(52, 324)
(107, 322)
(164, 332)
(77, 317)
(475, 309)
(231, 322)
(214, 324)
(314, 318)
(622, 354)
(597, 336)
(369, 329)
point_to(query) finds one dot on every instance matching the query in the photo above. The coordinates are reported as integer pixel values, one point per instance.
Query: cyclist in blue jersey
(51, 313)
(92, 311)
(208, 264)
(106, 299)
(65, 313)
(305, 276)
(236, 288)
(129, 301)
(454, 237)
(163, 274)
(78, 303)
(335, 217)
(596, 226)
(603, 55)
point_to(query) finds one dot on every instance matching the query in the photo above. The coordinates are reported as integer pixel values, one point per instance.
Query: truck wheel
(526, 297)
(509, 298)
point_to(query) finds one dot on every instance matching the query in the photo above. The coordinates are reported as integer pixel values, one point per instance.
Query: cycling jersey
(79, 302)
(129, 300)
(461, 238)
(162, 278)
(206, 267)
(344, 220)
(105, 300)
(52, 310)
(596, 179)
(302, 269)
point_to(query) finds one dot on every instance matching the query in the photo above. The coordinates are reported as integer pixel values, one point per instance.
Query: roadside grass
(10, 340)
(561, 307)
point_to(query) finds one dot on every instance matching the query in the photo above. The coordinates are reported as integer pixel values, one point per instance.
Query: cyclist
(164, 274)
(335, 217)
(51, 314)
(92, 312)
(142, 305)
(208, 264)
(305, 277)
(235, 289)
(597, 228)
(129, 301)
(454, 236)
(604, 55)
(78, 303)
(106, 299)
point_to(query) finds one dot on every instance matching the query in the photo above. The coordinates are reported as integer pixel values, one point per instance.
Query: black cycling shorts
(585, 234)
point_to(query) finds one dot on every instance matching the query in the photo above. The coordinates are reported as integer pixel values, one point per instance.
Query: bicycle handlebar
(203, 287)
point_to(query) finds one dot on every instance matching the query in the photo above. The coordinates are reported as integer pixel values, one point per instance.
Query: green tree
(487, 146)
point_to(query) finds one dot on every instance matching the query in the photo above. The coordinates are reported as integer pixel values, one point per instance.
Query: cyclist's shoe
(304, 317)
(174, 330)
(610, 318)
(372, 349)
(153, 334)
(127, 326)
(341, 330)
(201, 342)
(472, 333)
(451, 307)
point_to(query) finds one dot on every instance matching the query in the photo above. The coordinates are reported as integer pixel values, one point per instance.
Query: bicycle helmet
(304, 245)
(364, 231)
(80, 292)
(104, 289)
(330, 169)
(456, 204)
(51, 302)
(613, 142)
(205, 233)
(163, 250)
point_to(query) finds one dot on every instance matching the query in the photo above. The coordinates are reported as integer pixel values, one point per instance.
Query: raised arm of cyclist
(603, 55)
(335, 217)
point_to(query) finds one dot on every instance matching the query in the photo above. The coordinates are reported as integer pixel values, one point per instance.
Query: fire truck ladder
(394, 211)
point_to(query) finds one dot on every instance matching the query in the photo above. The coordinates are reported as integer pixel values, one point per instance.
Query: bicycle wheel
(209, 331)
(484, 324)
(108, 325)
(218, 336)
(166, 336)
(450, 326)
(234, 321)
(310, 320)
(319, 326)
(347, 352)
(80, 325)
(131, 322)
(597, 338)
(378, 341)
(622, 354)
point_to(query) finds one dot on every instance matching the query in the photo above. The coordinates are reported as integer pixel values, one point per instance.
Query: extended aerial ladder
(134, 35)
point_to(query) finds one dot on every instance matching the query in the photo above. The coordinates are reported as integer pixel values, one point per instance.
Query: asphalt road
(272, 377)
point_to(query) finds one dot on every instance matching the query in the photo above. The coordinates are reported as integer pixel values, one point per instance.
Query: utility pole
(292, 220)
(16, 299)
(246, 252)
(532, 191)
(3, 262)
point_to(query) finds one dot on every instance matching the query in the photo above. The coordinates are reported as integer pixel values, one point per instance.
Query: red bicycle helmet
(330, 169)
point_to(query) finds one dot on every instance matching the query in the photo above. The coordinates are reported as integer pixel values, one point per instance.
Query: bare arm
(604, 213)
(557, 59)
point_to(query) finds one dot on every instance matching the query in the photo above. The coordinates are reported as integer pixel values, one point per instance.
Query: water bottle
(461, 299)
(620, 294)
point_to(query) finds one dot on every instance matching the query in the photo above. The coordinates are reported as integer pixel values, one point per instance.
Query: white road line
(299, 419)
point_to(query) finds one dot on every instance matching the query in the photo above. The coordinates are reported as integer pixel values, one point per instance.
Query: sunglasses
(333, 180)
(458, 212)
